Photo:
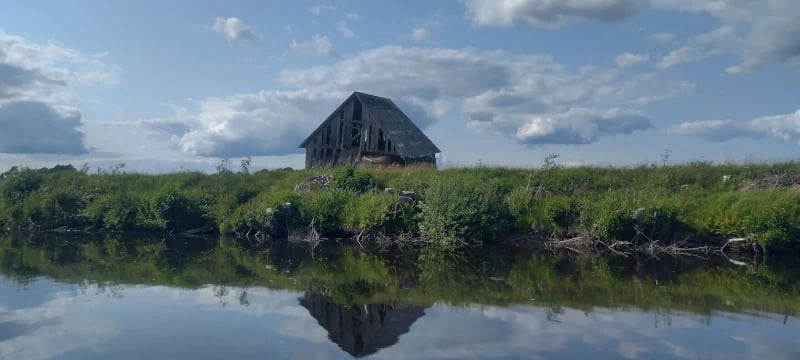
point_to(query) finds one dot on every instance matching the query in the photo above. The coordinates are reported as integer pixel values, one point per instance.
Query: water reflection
(361, 330)
(79, 298)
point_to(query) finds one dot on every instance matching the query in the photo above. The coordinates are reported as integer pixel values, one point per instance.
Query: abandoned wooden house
(367, 129)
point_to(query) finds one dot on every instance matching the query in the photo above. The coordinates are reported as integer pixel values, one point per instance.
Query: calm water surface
(71, 298)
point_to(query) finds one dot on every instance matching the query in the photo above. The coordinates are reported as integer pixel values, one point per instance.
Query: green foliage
(20, 183)
(121, 212)
(613, 222)
(175, 211)
(349, 178)
(324, 209)
(455, 210)
(462, 211)
(560, 213)
(370, 212)
(660, 222)
(521, 205)
(772, 228)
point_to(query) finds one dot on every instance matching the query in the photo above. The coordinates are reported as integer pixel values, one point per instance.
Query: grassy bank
(453, 208)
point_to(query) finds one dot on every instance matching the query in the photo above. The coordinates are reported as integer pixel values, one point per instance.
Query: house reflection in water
(361, 330)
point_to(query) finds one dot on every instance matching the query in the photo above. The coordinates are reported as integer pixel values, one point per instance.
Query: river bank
(687, 206)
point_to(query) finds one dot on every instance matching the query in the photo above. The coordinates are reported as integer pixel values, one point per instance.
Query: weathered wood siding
(349, 135)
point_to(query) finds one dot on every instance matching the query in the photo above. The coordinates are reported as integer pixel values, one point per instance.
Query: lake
(71, 297)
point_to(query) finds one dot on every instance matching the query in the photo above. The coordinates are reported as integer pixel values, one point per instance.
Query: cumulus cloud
(344, 30)
(35, 114)
(754, 31)
(701, 47)
(318, 45)
(493, 91)
(784, 127)
(262, 123)
(35, 127)
(549, 13)
(235, 30)
(629, 59)
(420, 34)
(580, 126)
(56, 62)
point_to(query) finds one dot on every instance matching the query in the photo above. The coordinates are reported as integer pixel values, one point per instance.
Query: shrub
(174, 211)
(458, 212)
(324, 210)
(660, 222)
(349, 178)
(560, 213)
(121, 212)
(368, 212)
(613, 223)
(55, 209)
(772, 228)
(19, 183)
(521, 203)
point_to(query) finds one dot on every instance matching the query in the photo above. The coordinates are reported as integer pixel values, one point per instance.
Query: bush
(174, 211)
(560, 213)
(520, 202)
(349, 178)
(19, 183)
(368, 212)
(324, 209)
(121, 212)
(660, 222)
(613, 223)
(772, 228)
(459, 212)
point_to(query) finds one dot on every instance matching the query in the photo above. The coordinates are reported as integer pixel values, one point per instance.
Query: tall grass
(453, 207)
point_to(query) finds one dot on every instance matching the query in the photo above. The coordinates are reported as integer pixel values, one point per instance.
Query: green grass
(455, 206)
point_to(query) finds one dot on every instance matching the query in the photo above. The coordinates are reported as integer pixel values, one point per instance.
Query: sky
(181, 85)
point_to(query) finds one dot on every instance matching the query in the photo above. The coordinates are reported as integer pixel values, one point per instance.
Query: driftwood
(583, 244)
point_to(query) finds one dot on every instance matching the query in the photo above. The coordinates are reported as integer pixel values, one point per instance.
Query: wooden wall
(348, 135)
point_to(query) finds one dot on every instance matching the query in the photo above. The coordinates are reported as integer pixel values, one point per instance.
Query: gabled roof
(409, 140)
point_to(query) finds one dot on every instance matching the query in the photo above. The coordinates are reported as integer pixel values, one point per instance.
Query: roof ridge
(357, 93)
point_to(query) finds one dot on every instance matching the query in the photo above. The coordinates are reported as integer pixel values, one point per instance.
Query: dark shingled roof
(409, 140)
(407, 137)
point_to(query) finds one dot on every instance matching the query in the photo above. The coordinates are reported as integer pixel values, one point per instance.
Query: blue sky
(164, 86)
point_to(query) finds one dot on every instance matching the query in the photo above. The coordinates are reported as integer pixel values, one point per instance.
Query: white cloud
(580, 126)
(262, 123)
(629, 59)
(318, 9)
(663, 37)
(36, 115)
(420, 34)
(757, 32)
(549, 13)
(681, 55)
(492, 91)
(235, 30)
(783, 127)
(344, 30)
(318, 45)
(353, 16)
(701, 47)
(57, 62)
